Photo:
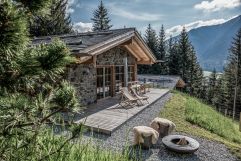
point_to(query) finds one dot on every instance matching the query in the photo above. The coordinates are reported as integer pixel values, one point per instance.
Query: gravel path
(208, 151)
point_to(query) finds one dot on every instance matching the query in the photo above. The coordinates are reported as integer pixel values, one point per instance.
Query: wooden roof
(87, 45)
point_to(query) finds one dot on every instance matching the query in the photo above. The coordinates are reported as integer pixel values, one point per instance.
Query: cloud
(177, 29)
(216, 5)
(82, 27)
(141, 16)
(69, 9)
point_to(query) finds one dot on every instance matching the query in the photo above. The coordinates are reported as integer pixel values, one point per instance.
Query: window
(131, 74)
(103, 82)
(119, 78)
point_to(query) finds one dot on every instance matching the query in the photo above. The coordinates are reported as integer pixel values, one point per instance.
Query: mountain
(212, 43)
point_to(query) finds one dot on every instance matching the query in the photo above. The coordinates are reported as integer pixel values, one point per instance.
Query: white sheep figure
(141, 132)
(163, 126)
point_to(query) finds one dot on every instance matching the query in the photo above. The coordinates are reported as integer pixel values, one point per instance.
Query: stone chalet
(107, 61)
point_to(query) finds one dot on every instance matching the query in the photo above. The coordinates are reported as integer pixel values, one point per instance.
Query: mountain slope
(213, 42)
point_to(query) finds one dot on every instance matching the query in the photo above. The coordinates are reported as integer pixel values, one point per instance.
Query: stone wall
(115, 56)
(83, 78)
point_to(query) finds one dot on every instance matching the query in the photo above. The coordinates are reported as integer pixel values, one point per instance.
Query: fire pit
(180, 143)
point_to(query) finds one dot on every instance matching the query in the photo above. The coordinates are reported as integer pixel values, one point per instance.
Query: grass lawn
(196, 118)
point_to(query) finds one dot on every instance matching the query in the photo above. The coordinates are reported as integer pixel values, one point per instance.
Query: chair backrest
(134, 92)
(127, 94)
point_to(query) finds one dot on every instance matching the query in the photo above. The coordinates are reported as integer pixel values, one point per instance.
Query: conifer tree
(184, 54)
(151, 40)
(162, 55)
(33, 6)
(212, 88)
(56, 22)
(183, 61)
(228, 85)
(232, 76)
(100, 19)
(194, 74)
(219, 100)
(13, 38)
(199, 88)
(32, 89)
(173, 58)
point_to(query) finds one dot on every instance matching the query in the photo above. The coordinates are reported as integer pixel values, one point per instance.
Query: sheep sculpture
(145, 136)
(163, 126)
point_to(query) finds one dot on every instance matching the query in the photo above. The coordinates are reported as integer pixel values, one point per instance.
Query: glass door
(119, 78)
(103, 82)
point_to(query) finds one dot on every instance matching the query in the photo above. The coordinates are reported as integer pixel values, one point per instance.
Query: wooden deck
(105, 116)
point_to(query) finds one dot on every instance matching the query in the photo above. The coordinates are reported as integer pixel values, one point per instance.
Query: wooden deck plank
(109, 117)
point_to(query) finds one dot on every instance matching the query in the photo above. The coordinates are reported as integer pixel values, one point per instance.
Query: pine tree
(151, 40)
(212, 88)
(100, 19)
(200, 89)
(173, 58)
(13, 38)
(203, 89)
(184, 54)
(194, 74)
(183, 61)
(232, 75)
(229, 82)
(219, 100)
(33, 6)
(162, 51)
(32, 89)
(56, 22)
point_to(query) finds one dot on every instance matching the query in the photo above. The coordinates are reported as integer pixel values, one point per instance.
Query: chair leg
(141, 103)
(147, 101)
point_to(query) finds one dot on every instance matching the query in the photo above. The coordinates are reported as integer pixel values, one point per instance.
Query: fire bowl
(180, 143)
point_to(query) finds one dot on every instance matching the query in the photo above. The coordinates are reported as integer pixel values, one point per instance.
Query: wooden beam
(145, 62)
(144, 48)
(142, 54)
(132, 52)
(129, 42)
(109, 45)
(94, 60)
(85, 59)
(135, 71)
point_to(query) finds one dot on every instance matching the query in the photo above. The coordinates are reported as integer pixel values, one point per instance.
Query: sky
(173, 14)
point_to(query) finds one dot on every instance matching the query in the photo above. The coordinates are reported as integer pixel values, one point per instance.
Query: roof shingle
(80, 41)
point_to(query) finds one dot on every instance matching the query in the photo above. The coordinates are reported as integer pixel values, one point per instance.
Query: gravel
(118, 141)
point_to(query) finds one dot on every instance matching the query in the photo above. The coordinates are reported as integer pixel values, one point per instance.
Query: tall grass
(51, 147)
(206, 117)
(77, 151)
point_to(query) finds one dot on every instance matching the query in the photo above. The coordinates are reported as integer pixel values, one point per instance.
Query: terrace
(106, 116)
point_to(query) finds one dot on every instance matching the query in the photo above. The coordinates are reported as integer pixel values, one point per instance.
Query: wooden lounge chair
(127, 99)
(142, 98)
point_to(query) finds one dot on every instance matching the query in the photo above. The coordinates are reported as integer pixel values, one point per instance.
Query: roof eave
(104, 46)
(148, 50)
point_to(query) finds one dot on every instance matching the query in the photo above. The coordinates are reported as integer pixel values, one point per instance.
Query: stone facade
(83, 76)
(115, 56)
